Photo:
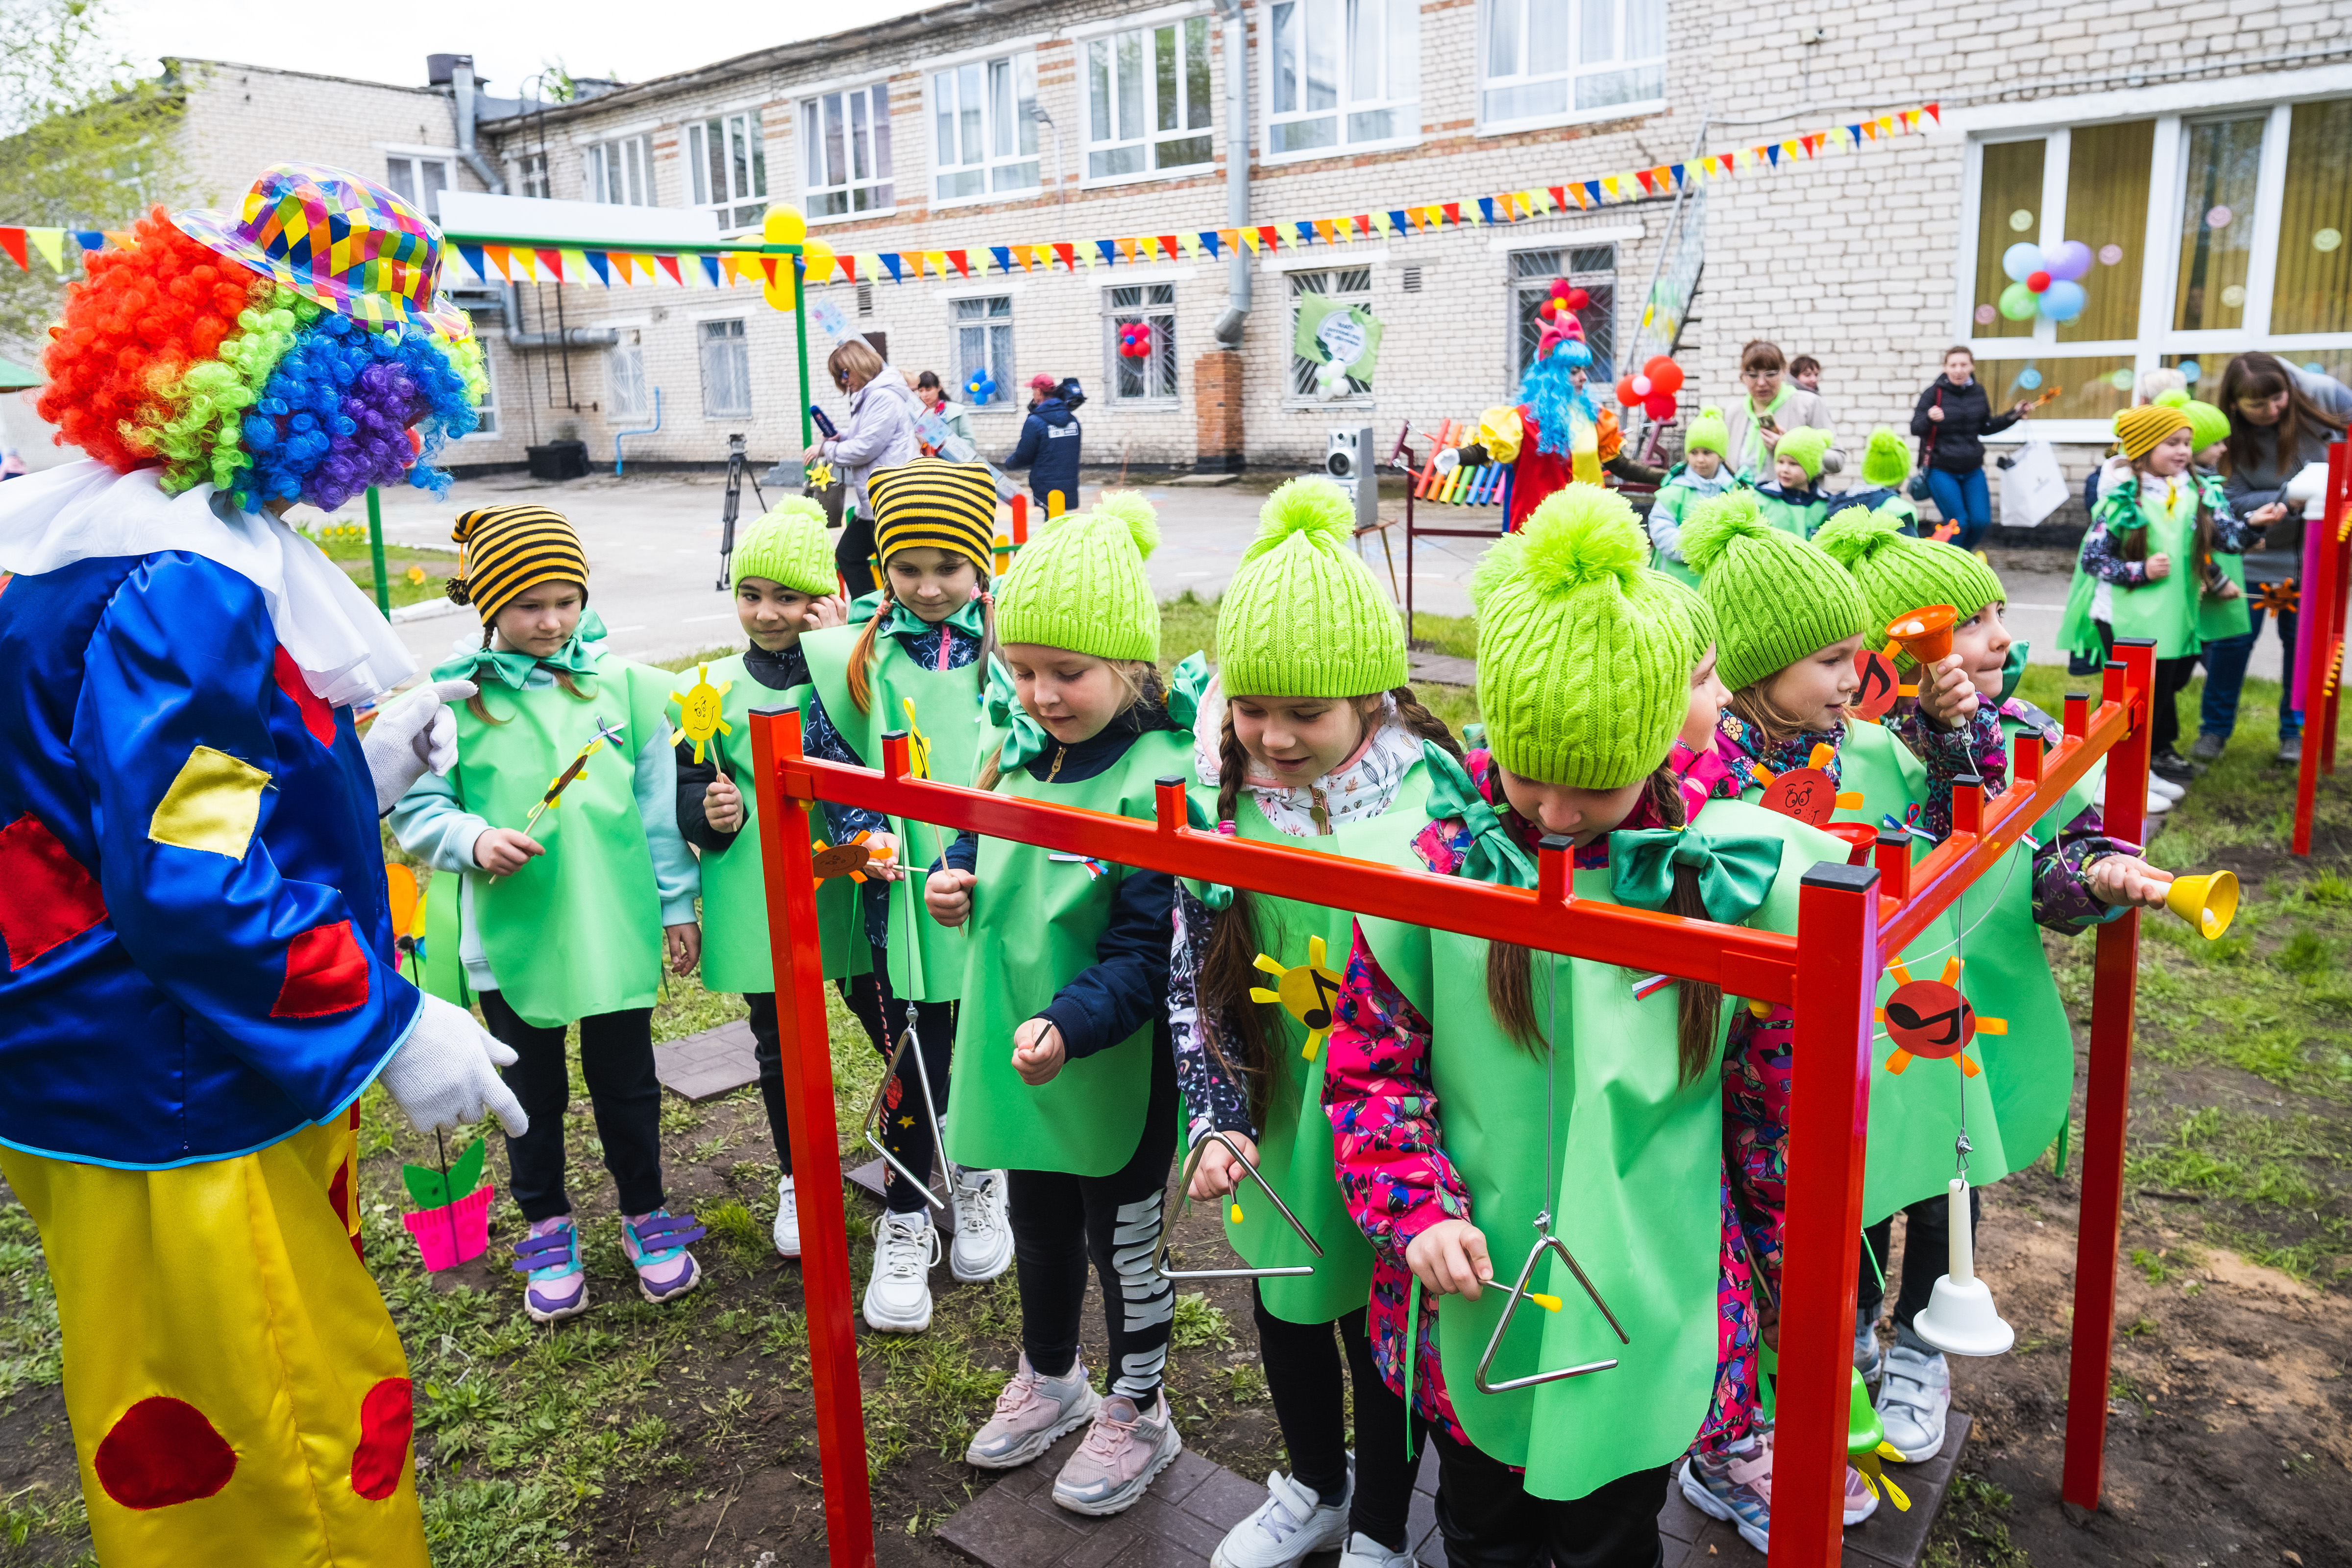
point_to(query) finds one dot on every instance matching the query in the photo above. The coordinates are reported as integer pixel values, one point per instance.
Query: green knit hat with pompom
(1886, 461)
(787, 546)
(1584, 661)
(1693, 604)
(2208, 426)
(1776, 598)
(1898, 573)
(1709, 433)
(1804, 446)
(1078, 584)
(1303, 616)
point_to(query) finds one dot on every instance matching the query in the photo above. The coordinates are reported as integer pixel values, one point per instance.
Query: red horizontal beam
(1744, 962)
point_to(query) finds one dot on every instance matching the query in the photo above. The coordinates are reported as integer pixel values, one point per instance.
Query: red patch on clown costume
(385, 1417)
(160, 1452)
(317, 717)
(325, 973)
(47, 898)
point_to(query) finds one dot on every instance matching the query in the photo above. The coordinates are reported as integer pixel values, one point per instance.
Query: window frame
(1155, 312)
(632, 337)
(1570, 114)
(597, 167)
(2156, 343)
(1008, 388)
(430, 205)
(1270, 119)
(488, 411)
(694, 138)
(1516, 288)
(807, 143)
(1360, 396)
(1150, 137)
(1014, 60)
(704, 340)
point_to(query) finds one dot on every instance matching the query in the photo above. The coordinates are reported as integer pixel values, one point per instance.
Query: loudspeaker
(1348, 454)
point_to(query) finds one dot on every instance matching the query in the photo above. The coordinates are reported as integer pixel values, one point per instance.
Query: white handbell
(1961, 1318)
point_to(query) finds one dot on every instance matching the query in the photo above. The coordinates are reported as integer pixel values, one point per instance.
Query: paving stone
(712, 1063)
(871, 1178)
(1223, 1498)
(1444, 669)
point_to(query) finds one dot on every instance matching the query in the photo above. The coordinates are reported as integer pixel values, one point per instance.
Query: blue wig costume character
(199, 976)
(1556, 435)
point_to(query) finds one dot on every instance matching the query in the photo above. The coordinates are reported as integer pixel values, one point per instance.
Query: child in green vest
(915, 656)
(784, 583)
(1792, 499)
(1482, 1097)
(1308, 732)
(1063, 1071)
(1703, 472)
(2226, 621)
(569, 922)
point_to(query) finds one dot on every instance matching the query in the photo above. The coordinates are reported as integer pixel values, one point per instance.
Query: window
(726, 371)
(625, 370)
(2009, 210)
(1556, 59)
(1149, 377)
(729, 164)
(983, 339)
(846, 138)
(1349, 286)
(984, 128)
(621, 172)
(532, 176)
(1148, 101)
(419, 181)
(2107, 207)
(489, 412)
(2312, 292)
(1341, 73)
(1591, 268)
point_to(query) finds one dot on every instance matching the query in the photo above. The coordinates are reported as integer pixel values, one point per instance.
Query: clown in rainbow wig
(198, 980)
(1556, 435)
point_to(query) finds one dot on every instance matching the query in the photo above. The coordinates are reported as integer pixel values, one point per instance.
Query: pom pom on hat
(1886, 461)
(1898, 573)
(1308, 504)
(1709, 433)
(1855, 534)
(1132, 512)
(1715, 521)
(1776, 598)
(1303, 616)
(2138, 431)
(1804, 446)
(2208, 426)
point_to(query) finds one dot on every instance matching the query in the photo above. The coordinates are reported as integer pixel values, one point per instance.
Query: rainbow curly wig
(172, 355)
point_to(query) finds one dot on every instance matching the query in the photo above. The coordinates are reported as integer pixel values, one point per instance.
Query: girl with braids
(1063, 1070)
(915, 656)
(1308, 732)
(1444, 1047)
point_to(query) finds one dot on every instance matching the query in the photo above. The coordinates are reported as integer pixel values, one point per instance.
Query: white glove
(414, 732)
(442, 1076)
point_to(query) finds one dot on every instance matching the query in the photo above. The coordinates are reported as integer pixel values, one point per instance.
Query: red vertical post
(2107, 1107)
(2336, 531)
(1829, 1113)
(1020, 519)
(825, 1285)
(2309, 664)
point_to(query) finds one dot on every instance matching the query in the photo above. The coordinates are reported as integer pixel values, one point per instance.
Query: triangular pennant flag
(1004, 257)
(1870, 129)
(51, 244)
(1675, 171)
(1933, 112)
(1575, 195)
(1486, 208)
(12, 240)
(1306, 233)
(551, 262)
(1069, 252)
(522, 257)
(1191, 242)
(1250, 239)
(1418, 218)
(1649, 185)
(890, 260)
(726, 264)
(848, 264)
(1147, 248)
(937, 261)
(1558, 194)
(670, 264)
(1772, 152)
(1120, 247)
(626, 265)
(577, 261)
(1211, 240)
(1887, 125)
(1385, 221)
(1453, 210)
(709, 269)
(1108, 249)
(89, 239)
(472, 253)
(961, 261)
(597, 264)
(1592, 192)
(1609, 186)
(1265, 233)
(498, 258)
(1169, 247)
(1854, 132)
(1396, 220)
(1364, 225)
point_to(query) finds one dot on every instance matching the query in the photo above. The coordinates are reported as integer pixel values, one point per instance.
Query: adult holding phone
(879, 434)
(1774, 406)
(1951, 420)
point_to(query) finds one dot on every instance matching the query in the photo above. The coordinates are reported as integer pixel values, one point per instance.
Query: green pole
(375, 548)
(800, 332)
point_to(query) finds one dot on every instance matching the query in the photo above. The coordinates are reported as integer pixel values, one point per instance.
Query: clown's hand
(445, 1077)
(416, 733)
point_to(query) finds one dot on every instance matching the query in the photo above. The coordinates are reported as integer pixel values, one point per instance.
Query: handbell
(2209, 903)
(1925, 634)
(1960, 1317)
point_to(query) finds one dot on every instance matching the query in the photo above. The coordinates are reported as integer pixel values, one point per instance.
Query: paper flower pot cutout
(449, 1230)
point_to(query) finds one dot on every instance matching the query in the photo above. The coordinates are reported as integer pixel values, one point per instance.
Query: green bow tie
(1735, 872)
(1187, 684)
(1023, 737)
(1496, 855)
(2012, 670)
(513, 669)
(2119, 509)
(969, 617)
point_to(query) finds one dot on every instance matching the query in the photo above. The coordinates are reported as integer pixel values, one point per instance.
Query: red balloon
(1659, 405)
(1665, 375)
(1578, 298)
(1625, 393)
(2037, 282)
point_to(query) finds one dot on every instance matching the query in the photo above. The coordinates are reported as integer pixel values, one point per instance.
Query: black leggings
(1927, 1252)
(1303, 1374)
(852, 550)
(616, 1056)
(2172, 678)
(1059, 1221)
(1489, 1521)
(767, 1050)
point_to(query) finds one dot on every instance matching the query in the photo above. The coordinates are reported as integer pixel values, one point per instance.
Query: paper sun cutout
(1305, 993)
(1931, 1018)
(698, 709)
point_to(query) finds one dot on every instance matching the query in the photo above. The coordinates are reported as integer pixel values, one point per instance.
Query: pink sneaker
(656, 1246)
(1031, 1412)
(1122, 1451)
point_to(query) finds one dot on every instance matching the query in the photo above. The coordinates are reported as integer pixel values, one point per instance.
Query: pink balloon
(1640, 385)
(2070, 260)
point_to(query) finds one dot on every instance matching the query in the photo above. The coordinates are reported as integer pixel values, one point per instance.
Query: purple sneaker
(655, 1244)
(550, 1254)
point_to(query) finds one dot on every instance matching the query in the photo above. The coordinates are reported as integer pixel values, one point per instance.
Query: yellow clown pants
(237, 1393)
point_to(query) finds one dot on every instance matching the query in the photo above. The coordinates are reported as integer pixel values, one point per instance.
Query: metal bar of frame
(1249, 1168)
(2317, 672)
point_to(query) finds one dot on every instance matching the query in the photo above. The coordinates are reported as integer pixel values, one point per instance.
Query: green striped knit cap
(1303, 616)
(1078, 584)
(1899, 573)
(1886, 461)
(1776, 598)
(1584, 661)
(1693, 604)
(787, 546)
(1804, 446)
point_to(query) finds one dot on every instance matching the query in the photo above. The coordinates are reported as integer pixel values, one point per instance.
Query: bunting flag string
(525, 261)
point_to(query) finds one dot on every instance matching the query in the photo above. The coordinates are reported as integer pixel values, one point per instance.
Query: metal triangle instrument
(874, 1113)
(1249, 1169)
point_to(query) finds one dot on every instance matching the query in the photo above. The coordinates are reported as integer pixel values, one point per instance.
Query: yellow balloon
(781, 293)
(784, 226)
(816, 255)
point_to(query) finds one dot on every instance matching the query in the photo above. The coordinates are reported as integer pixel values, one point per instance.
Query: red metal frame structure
(2318, 663)
(1848, 916)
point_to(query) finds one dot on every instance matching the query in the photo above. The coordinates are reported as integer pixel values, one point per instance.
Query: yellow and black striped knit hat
(946, 506)
(507, 549)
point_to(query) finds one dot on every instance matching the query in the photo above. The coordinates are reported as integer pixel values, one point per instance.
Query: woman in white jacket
(879, 434)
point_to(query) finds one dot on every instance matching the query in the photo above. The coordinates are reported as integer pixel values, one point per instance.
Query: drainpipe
(1237, 173)
(461, 90)
(644, 430)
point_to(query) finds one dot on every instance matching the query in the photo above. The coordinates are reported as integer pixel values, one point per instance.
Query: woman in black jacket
(1951, 419)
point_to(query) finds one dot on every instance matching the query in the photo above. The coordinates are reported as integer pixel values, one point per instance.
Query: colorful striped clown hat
(340, 239)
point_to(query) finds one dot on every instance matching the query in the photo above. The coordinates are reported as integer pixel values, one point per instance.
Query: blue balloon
(980, 384)
(2029, 378)
(2021, 260)
(2063, 300)
(2191, 371)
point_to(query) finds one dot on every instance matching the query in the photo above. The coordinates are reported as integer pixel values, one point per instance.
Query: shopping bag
(2031, 485)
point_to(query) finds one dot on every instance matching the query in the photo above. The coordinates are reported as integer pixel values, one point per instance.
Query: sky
(509, 42)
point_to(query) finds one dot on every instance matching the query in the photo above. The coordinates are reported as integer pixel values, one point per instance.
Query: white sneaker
(1914, 1397)
(2158, 805)
(898, 1294)
(984, 1240)
(1292, 1522)
(2158, 784)
(787, 1230)
(1363, 1551)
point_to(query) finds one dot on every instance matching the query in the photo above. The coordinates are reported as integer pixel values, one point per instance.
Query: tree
(83, 144)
